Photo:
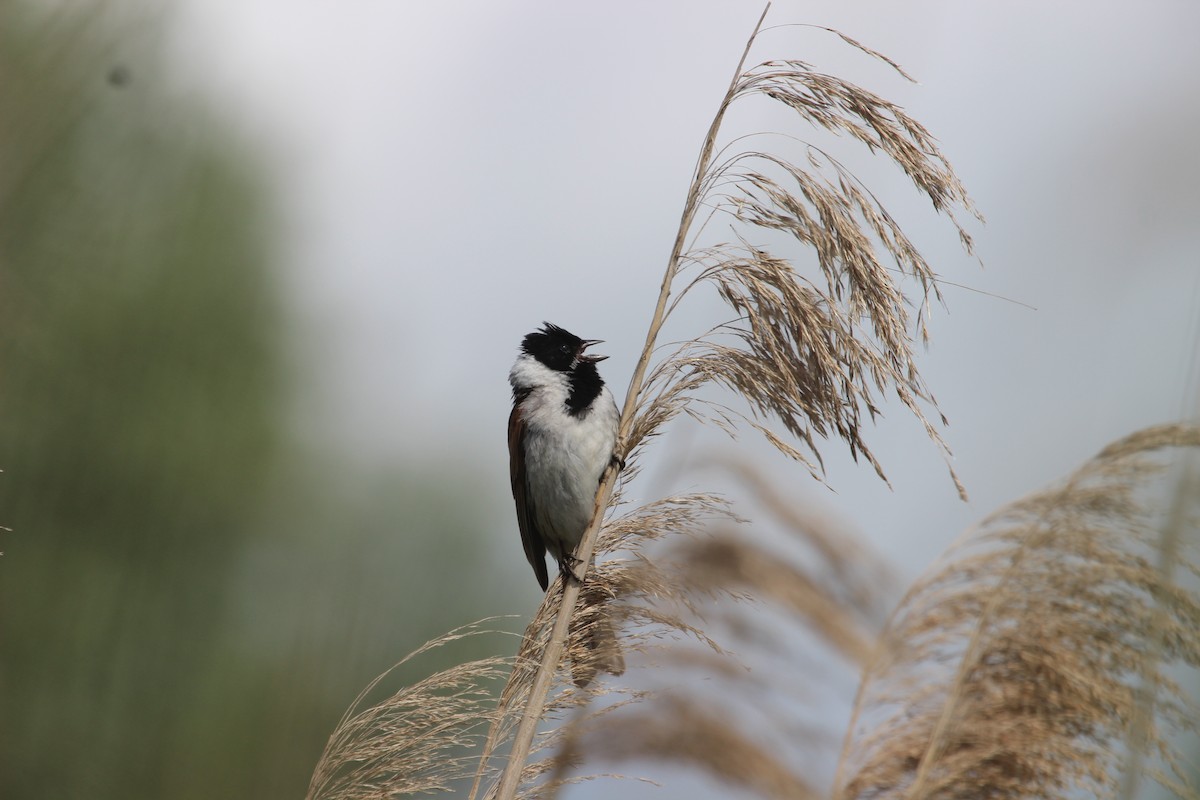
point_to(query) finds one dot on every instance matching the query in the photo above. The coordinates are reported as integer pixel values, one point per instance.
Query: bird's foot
(571, 567)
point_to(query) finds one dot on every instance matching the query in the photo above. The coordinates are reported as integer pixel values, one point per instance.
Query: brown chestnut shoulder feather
(531, 537)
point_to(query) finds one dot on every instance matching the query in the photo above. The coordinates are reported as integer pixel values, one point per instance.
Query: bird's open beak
(592, 358)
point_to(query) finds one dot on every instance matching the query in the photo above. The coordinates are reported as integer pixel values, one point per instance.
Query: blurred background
(264, 266)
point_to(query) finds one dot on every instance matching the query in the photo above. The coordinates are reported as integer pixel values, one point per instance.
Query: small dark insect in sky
(119, 76)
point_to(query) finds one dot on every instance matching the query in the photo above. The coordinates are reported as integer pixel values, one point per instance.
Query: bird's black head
(559, 349)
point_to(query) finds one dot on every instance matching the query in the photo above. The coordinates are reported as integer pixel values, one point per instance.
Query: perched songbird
(561, 435)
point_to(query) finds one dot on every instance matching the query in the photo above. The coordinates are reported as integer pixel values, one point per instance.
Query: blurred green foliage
(183, 611)
(137, 419)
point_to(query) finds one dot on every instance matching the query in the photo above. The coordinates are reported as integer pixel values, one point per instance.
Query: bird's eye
(565, 349)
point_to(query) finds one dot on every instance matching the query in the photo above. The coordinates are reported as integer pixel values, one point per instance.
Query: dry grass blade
(1019, 667)
(419, 739)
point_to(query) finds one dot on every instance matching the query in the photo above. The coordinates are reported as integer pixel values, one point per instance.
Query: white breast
(565, 455)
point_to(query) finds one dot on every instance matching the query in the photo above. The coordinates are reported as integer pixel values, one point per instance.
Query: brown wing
(531, 538)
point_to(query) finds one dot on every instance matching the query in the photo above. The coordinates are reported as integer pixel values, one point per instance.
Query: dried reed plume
(418, 739)
(1033, 661)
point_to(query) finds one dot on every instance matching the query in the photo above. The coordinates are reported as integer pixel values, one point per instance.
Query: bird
(562, 434)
